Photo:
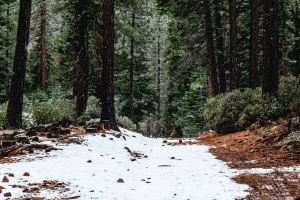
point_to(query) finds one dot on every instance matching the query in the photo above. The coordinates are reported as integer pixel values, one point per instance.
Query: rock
(120, 180)
(26, 174)
(172, 157)
(11, 175)
(165, 141)
(103, 135)
(48, 149)
(89, 161)
(5, 179)
(111, 138)
(180, 140)
(7, 194)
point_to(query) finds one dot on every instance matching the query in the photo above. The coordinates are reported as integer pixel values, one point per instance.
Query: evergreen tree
(14, 110)
(234, 73)
(254, 37)
(108, 108)
(271, 47)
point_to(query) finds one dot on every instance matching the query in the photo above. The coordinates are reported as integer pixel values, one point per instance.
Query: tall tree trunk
(43, 47)
(254, 32)
(108, 109)
(99, 58)
(297, 36)
(212, 80)
(131, 66)
(14, 109)
(220, 46)
(271, 46)
(83, 59)
(233, 46)
(7, 53)
(285, 63)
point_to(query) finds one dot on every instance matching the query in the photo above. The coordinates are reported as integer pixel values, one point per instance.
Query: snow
(168, 172)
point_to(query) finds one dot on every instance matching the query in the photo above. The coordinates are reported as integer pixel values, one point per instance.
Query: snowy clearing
(145, 167)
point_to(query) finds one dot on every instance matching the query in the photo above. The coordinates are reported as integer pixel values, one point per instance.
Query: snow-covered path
(194, 173)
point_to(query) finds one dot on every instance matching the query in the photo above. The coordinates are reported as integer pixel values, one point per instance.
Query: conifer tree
(15, 103)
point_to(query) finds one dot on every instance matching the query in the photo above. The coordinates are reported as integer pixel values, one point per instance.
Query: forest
(162, 68)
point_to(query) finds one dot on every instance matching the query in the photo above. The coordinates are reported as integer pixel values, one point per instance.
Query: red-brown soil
(260, 147)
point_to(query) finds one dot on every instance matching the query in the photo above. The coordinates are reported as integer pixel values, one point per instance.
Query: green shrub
(232, 111)
(58, 111)
(93, 110)
(3, 109)
(125, 122)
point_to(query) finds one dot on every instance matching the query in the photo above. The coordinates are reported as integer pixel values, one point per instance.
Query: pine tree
(254, 37)
(14, 110)
(271, 46)
(234, 73)
(108, 109)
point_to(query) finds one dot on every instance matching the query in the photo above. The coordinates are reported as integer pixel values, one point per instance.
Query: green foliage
(125, 122)
(58, 111)
(289, 93)
(238, 109)
(223, 113)
(93, 110)
(3, 108)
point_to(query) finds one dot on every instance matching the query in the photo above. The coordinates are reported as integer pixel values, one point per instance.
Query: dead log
(15, 149)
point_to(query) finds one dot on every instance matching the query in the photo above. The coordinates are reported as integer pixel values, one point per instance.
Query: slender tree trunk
(158, 83)
(43, 47)
(7, 54)
(297, 36)
(271, 46)
(233, 46)
(14, 109)
(254, 32)
(220, 46)
(108, 109)
(83, 59)
(212, 80)
(131, 66)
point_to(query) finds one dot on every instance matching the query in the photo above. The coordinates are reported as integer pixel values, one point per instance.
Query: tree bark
(285, 63)
(271, 46)
(83, 58)
(233, 46)
(98, 70)
(108, 109)
(43, 47)
(297, 36)
(212, 80)
(254, 32)
(14, 109)
(220, 47)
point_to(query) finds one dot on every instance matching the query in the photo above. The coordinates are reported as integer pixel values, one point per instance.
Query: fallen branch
(15, 149)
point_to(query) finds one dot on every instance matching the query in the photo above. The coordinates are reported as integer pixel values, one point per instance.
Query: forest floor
(261, 147)
(262, 162)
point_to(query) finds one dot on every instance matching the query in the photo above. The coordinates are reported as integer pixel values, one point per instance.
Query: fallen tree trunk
(15, 149)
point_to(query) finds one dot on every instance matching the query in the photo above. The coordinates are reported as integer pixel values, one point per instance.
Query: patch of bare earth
(260, 147)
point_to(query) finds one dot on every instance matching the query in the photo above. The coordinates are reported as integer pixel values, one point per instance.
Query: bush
(93, 110)
(58, 111)
(3, 109)
(232, 111)
(125, 122)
